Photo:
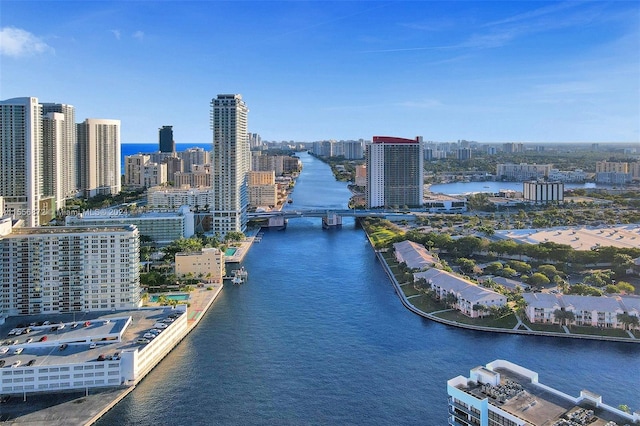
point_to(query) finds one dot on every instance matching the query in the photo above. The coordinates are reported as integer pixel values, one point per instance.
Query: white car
(93, 346)
(142, 341)
(29, 340)
(4, 350)
(160, 325)
(149, 336)
(18, 351)
(16, 364)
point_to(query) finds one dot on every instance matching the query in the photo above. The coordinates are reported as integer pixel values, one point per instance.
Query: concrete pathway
(415, 295)
(566, 330)
(631, 334)
(520, 323)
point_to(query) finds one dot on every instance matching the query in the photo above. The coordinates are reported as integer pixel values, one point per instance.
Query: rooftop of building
(579, 238)
(112, 332)
(517, 395)
(17, 231)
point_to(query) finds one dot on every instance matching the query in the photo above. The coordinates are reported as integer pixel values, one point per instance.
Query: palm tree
(564, 316)
(629, 321)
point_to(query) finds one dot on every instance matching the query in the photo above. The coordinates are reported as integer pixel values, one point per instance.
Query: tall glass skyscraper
(395, 175)
(231, 163)
(165, 137)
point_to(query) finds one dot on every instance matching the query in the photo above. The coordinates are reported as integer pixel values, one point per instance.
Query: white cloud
(138, 35)
(17, 42)
(116, 34)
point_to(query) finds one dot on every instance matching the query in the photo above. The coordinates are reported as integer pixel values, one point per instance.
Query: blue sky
(487, 71)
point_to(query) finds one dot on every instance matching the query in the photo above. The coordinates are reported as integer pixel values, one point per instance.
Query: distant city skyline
(492, 72)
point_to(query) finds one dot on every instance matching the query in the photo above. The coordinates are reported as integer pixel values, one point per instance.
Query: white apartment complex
(522, 171)
(99, 145)
(587, 310)
(231, 163)
(173, 198)
(69, 269)
(543, 192)
(161, 227)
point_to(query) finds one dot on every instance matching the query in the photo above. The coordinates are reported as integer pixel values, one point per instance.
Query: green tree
(493, 268)
(564, 317)
(629, 321)
(467, 266)
(181, 245)
(538, 280)
(549, 271)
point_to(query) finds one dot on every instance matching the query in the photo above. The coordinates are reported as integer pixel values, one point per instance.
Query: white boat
(239, 276)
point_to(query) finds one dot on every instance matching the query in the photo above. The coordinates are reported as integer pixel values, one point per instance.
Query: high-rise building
(99, 144)
(231, 163)
(395, 175)
(166, 142)
(69, 269)
(21, 166)
(66, 173)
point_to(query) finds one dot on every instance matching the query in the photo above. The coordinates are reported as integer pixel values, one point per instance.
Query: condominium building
(173, 198)
(543, 192)
(353, 150)
(612, 167)
(163, 228)
(207, 264)
(194, 156)
(522, 171)
(165, 139)
(140, 172)
(395, 174)
(99, 145)
(21, 161)
(69, 269)
(231, 163)
(504, 393)
(60, 140)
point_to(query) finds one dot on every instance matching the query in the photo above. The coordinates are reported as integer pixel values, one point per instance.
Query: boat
(289, 201)
(239, 276)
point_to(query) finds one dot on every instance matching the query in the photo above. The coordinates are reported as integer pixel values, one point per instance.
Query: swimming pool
(178, 297)
(230, 251)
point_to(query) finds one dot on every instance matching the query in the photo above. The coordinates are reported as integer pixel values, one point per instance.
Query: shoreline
(408, 305)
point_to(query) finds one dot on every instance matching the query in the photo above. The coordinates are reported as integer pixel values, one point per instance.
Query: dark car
(31, 362)
(2, 362)
(101, 357)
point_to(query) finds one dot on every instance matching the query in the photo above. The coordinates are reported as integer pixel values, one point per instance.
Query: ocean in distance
(317, 336)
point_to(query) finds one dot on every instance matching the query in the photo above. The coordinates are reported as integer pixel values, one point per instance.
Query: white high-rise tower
(231, 164)
(99, 144)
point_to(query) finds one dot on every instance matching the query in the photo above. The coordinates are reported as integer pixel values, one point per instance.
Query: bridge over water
(330, 217)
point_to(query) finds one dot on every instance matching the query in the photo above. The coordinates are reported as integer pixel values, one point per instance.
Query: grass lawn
(594, 331)
(408, 290)
(553, 328)
(427, 304)
(508, 321)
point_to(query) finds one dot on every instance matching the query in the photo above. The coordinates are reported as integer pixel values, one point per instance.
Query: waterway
(317, 336)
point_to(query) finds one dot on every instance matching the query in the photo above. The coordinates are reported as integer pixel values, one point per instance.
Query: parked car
(43, 338)
(87, 323)
(18, 351)
(101, 357)
(149, 336)
(74, 325)
(63, 347)
(160, 325)
(61, 326)
(46, 323)
(93, 345)
(142, 341)
(16, 364)
(31, 362)
(2, 362)
(4, 350)
(15, 342)
(29, 340)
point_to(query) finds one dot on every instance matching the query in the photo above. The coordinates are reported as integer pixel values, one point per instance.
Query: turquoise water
(178, 297)
(230, 251)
